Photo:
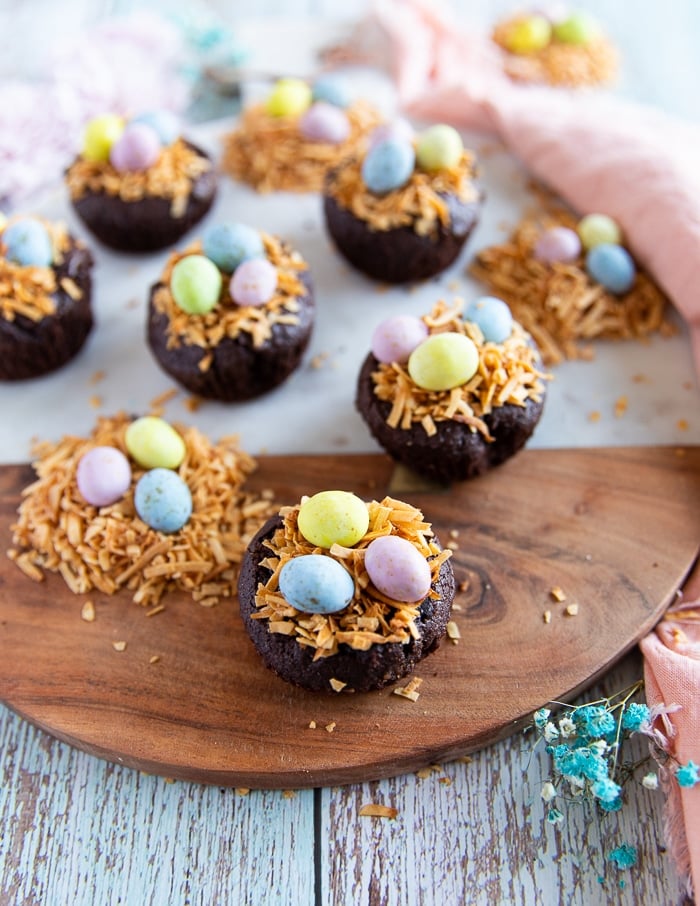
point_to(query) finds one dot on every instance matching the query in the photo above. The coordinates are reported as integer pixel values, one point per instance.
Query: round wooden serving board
(616, 529)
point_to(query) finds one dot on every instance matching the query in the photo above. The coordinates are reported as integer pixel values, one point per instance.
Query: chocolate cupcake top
(31, 249)
(289, 141)
(450, 365)
(235, 280)
(138, 158)
(404, 180)
(346, 572)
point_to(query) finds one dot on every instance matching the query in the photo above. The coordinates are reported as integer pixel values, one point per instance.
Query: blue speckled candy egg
(332, 90)
(314, 583)
(27, 242)
(395, 338)
(492, 316)
(397, 569)
(388, 166)
(228, 244)
(165, 124)
(612, 267)
(103, 476)
(163, 500)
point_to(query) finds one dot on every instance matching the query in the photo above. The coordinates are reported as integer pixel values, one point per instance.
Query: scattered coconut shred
(110, 548)
(558, 303)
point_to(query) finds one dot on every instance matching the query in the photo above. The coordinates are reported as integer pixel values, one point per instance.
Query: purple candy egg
(397, 569)
(395, 339)
(324, 122)
(557, 244)
(253, 282)
(138, 148)
(103, 476)
(399, 129)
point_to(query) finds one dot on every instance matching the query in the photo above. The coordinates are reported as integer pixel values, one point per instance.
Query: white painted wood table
(76, 830)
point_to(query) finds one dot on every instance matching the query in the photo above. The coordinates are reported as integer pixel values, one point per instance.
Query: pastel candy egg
(395, 339)
(323, 122)
(103, 476)
(195, 283)
(253, 282)
(612, 267)
(99, 136)
(153, 443)
(528, 35)
(163, 500)
(439, 147)
(137, 148)
(388, 165)
(596, 229)
(398, 129)
(558, 244)
(333, 517)
(228, 244)
(443, 361)
(164, 122)
(314, 583)
(289, 97)
(332, 90)
(492, 316)
(578, 28)
(397, 569)
(27, 243)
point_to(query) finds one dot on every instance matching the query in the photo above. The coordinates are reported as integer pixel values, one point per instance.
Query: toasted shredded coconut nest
(227, 319)
(560, 63)
(171, 177)
(508, 373)
(110, 548)
(28, 290)
(270, 153)
(371, 618)
(558, 303)
(419, 204)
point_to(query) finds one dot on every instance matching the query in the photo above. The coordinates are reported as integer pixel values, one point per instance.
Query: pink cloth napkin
(600, 153)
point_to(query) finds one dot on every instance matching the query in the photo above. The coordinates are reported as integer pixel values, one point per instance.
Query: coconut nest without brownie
(558, 303)
(371, 618)
(110, 548)
(271, 154)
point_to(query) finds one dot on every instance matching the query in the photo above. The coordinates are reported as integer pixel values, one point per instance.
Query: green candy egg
(443, 361)
(100, 134)
(439, 147)
(154, 444)
(598, 229)
(289, 97)
(195, 284)
(578, 28)
(529, 35)
(333, 517)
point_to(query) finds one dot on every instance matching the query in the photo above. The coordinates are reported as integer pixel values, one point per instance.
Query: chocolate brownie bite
(403, 210)
(452, 395)
(290, 140)
(232, 314)
(139, 186)
(45, 297)
(339, 594)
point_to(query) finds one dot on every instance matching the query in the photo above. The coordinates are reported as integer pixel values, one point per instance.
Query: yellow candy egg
(333, 517)
(443, 361)
(528, 35)
(100, 134)
(289, 97)
(154, 444)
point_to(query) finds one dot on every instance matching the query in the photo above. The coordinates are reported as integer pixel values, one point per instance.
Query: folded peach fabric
(600, 153)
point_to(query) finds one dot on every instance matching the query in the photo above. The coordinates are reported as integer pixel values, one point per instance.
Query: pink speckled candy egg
(253, 282)
(557, 244)
(398, 128)
(137, 148)
(103, 476)
(397, 569)
(395, 339)
(324, 122)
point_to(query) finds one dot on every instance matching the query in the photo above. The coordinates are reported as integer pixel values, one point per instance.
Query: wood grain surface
(616, 529)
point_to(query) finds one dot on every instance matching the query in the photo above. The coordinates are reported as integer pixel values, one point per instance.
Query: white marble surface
(314, 410)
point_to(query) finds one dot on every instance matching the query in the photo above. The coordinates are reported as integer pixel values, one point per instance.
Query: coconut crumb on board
(87, 612)
(410, 690)
(119, 646)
